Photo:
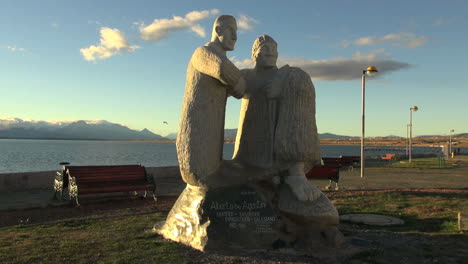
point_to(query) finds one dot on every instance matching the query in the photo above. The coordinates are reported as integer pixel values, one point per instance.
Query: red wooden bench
(351, 161)
(332, 161)
(389, 157)
(343, 161)
(82, 180)
(325, 172)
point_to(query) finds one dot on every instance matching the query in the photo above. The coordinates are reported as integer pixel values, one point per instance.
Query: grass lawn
(423, 163)
(124, 240)
(111, 240)
(422, 212)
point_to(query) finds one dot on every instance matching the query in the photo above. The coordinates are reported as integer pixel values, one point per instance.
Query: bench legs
(73, 189)
(329, 186)
(333, 179)
(146, 194)
(153, 194)
(76, 201)
(58, 186)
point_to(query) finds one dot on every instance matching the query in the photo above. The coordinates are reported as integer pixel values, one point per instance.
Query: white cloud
(315, 37)
(138, 24)
(112, 42)
(338, 68)
(163, 28)
(94, 22)
(416, 42)
(199, 30)
(242, 64)
(14, 48)
(245, 23)
(346, 43)
(407, 40)
(440, 22)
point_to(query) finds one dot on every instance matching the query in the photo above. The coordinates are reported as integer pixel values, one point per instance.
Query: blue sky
(125, 61)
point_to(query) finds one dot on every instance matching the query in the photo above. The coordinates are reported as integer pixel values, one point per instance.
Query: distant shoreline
(397, 142)
(93, 139)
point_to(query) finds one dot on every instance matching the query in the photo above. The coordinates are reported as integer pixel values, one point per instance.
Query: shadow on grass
(414, 224)
(373, 246)
(388, 247)
(431, 212)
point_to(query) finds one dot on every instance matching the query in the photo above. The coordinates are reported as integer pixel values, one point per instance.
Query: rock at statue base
(234, 217)
(240, 218)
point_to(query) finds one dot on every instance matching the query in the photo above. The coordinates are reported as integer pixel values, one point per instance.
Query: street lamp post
(413, 108)
(407, 140)
(450, 142)
(371, 70)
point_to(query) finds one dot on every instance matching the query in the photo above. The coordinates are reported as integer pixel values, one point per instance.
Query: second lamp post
(413, 108)
(371, 70)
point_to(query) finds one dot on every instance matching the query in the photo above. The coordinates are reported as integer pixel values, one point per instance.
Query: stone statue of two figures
(261, 199)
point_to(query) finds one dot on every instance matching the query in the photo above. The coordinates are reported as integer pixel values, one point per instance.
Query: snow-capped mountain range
(76, 129)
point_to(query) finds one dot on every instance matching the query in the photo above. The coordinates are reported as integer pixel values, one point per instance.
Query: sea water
(18, 155)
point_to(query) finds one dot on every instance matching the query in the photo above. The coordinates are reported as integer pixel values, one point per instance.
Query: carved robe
(277, 128)
(210, 75)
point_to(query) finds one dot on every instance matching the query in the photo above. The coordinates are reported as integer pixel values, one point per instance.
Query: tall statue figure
(277, 129)
(277, 121)
(211, 77)
(239, 204)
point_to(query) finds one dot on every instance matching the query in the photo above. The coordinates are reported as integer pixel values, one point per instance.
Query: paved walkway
(405, 178)
(375, 178)
(40, 198)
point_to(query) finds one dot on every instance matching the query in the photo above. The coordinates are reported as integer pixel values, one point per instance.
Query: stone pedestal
(249, 217)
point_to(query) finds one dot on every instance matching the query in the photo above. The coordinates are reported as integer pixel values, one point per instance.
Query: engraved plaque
(241, 218)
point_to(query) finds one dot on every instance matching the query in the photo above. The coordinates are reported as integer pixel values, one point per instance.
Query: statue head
(265, 51)
(225, 32)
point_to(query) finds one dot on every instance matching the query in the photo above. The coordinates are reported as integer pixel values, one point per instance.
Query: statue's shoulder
(202, 50)
(294, 72)
(296, 77)
(205, 51)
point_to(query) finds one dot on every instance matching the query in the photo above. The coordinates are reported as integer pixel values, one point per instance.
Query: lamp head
(371, 70)
(414, 108)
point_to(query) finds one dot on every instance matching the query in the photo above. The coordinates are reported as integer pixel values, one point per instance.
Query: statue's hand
(239, 90)
(302, 188)
(274, 88)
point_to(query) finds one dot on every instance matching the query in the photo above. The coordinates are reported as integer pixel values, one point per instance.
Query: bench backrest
(108, 173)
(350, 160)
(331, 161)
(323, 171)
(342, 161)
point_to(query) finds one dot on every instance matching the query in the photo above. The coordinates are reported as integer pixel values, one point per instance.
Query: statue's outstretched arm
(217, 66)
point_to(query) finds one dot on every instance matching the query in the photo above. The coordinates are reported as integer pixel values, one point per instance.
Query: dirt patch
(90, 208)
